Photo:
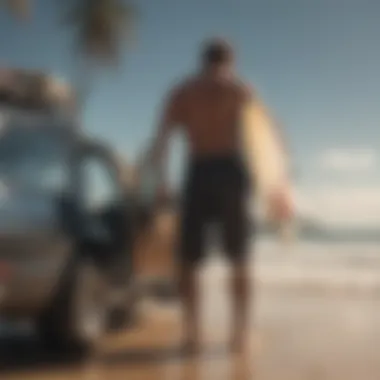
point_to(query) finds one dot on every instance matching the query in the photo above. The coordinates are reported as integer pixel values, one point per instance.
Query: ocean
(309, 265)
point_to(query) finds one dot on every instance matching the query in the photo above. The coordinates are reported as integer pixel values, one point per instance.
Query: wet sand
(293, 335)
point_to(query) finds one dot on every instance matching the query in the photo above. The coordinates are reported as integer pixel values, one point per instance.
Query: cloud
(354, 203)
(348, 159)
(341, 205)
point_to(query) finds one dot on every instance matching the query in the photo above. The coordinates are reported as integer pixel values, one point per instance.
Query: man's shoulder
(243, 88)
(182, 86)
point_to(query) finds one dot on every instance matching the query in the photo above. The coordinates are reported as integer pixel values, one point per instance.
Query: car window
(34, 160)
(101, 189)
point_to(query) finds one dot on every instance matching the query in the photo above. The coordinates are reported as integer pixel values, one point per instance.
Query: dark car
(65, 230)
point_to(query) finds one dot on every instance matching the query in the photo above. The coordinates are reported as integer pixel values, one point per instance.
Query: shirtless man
(207, 107)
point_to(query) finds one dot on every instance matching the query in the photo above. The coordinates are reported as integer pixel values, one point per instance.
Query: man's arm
(169, 119)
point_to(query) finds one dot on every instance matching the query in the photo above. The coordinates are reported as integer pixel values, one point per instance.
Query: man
(207, 106)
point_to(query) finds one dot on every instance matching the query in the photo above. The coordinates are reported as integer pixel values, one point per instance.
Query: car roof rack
(32, 90)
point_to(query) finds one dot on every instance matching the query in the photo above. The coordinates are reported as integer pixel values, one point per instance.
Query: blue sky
(315, 63)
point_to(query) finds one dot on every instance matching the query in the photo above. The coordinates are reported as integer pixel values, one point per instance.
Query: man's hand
(151, 172)
(163, 195)
(148, 159)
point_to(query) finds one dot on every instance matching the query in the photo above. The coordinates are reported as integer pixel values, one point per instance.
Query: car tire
(124, 294)
(124, 314)
(77, 318)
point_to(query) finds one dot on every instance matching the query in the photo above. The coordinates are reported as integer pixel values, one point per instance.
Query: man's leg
(189, 288)
(192, 234)
(236, 233)
(241, 296)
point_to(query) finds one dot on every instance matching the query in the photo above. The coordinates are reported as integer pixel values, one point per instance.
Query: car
(66, 230)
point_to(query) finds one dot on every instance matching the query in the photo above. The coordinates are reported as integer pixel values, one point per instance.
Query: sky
(314, 63)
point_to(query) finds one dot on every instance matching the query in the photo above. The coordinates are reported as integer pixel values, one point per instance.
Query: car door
(105, 211)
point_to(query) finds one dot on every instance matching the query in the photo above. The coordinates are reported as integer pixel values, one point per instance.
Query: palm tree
(100, 27)
(20, 8)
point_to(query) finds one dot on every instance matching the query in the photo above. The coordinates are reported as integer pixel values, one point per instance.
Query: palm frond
(100, 27)
(20, 8)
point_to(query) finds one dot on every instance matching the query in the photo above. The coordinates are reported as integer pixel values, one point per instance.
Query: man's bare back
(208, 108)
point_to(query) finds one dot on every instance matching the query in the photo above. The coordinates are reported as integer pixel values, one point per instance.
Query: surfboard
(268, 163)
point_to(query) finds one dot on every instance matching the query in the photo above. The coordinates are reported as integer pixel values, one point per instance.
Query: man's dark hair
(216, 52)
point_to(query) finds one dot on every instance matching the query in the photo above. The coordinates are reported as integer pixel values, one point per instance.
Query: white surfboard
(267, 161)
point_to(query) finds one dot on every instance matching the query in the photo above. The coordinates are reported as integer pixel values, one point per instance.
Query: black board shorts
(216, 192)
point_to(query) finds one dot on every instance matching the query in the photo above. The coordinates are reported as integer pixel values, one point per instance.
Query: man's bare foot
(238, 343)
(192, 346)
(245, 344)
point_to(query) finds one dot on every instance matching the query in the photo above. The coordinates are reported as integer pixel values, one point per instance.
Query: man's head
(217, 54)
